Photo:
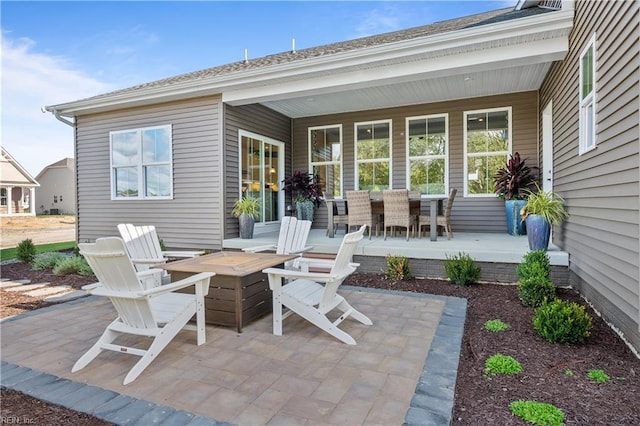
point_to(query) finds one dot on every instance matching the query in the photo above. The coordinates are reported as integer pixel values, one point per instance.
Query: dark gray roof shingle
(486, 18)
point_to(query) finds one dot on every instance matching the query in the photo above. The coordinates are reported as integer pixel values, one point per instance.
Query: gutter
(57, 115)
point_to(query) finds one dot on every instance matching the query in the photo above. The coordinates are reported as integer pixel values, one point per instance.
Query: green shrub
(501, 364)
(562, 322)
(598, 376)
(47, 260)
(461, 269)
(73, 265)
(398, 268)
(536, 290)
(26, 251)
(538, 413)
(496, 325)
(534, 263)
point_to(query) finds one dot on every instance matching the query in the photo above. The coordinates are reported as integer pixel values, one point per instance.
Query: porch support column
(32, 201)
(9, 200)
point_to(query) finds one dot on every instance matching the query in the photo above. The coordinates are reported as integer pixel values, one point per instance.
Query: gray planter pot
(247, 224)
(304, 210)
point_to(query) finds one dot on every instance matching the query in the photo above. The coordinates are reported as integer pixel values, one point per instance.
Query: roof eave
(216, 85)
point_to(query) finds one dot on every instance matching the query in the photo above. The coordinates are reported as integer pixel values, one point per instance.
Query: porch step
(6, 283)
(48, 290)
(26, 287)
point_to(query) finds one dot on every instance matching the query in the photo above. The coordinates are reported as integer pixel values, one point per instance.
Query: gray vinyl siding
(601, 187)
(192, 219)
(468, 214)
(255, 119)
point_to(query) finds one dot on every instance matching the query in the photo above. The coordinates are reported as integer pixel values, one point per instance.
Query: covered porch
(497, 253)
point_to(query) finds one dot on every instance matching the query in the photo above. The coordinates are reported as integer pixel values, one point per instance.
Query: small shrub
(496, 325)
(562, 322)
(398, 268)
(462, 269)
(73, 265)
(26, 251)
(538, 413)
(501, 364)
(536, 290)
(534, 263)
(598, 376)
(47, 260)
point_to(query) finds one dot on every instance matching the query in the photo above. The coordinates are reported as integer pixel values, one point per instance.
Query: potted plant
(247, 210)
(543, 209)
(305, 192)
(511, 184)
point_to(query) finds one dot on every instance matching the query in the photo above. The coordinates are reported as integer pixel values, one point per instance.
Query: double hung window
(427, 148)
(373, 155)
(141, 163)
(325, 151)
(487, 144)
(588, 97)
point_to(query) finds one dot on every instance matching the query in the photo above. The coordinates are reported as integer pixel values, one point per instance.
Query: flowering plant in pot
(247, 210)
(305, 191)
(543, 209)
(511, 184)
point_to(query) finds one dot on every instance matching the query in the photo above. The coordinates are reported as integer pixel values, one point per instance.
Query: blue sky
(55, 52)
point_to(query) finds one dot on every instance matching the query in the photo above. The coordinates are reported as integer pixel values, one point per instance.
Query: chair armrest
(150, 261)
(315, 276)
(189, 281)
(260, 248)
(182, 254)
(302, 250)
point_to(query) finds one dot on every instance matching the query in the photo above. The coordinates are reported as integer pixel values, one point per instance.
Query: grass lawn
(11, 253)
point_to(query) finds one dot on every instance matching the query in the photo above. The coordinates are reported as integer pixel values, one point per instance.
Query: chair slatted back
(396, 207)
(293, 235)
(115, 272)
(342, 265)
(452, 196)
(141, 242)
(359, 205)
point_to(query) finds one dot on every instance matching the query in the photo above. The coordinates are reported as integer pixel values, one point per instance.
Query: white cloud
(31, 80)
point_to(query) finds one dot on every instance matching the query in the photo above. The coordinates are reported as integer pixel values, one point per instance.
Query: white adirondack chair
(159, 312)
(313, 295)
(291, 240)
(143, 247)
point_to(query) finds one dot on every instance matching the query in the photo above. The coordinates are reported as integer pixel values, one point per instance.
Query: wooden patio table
(377, 206)
(239, 292)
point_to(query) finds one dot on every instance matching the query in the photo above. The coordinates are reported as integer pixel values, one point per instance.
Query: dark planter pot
(247, 224)
(538, 232)
(515, 224)
(304, 210)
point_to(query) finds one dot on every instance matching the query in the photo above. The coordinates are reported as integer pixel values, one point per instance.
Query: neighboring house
(429, 108)
(57, 191)
(17, 188)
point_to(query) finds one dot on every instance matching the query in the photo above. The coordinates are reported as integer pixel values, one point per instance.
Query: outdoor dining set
(394, 209)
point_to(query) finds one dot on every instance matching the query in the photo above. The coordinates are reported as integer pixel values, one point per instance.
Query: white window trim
(356, 168)
(141, 187)
(589, 100)
(464, 143)
(446, 151)
(327, 163)
(262, 226)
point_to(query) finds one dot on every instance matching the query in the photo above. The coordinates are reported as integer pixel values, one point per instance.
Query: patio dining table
(377, 207)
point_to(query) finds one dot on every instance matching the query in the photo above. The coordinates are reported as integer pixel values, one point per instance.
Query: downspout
(58, 117)
(56, 114)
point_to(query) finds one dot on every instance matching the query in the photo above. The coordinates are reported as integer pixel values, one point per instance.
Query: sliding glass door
(262, 171)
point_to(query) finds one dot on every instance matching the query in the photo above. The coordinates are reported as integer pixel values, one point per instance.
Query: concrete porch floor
(402, 370)
(483, 247)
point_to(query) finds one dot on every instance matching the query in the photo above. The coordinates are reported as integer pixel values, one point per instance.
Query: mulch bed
(553, 373)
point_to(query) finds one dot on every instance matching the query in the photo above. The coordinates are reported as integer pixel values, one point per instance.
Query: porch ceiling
(463, 85)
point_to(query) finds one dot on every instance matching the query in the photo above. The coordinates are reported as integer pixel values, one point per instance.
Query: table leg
(330, 218)
(433, 226)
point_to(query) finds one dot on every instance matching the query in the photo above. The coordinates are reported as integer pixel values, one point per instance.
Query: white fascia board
(556, 23)
(542, 51)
